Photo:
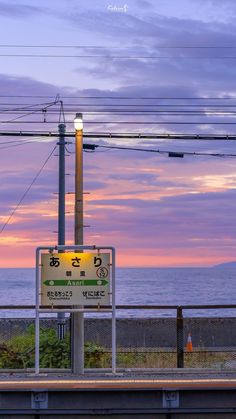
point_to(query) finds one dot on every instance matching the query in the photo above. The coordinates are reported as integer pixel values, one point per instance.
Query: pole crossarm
(110, 135)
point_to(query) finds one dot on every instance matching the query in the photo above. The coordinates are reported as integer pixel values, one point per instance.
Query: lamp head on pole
(78, 121)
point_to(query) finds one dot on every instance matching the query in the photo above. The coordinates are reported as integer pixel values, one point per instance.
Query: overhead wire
(27, 191)
(25, 107)
(122, 97)
(119, 57)
(28, 113)
(131, 122)
(93, 147)
(61, 113)
(189, 153)
(17, 145)
(71, 106)
(127, 112)
(20, 143)
(107, 51)
(119, 47)
(124, 135)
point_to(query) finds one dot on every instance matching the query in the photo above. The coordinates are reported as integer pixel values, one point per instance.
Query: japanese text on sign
(75, 278)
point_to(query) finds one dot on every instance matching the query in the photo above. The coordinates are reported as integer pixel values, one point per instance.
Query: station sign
(75, 279)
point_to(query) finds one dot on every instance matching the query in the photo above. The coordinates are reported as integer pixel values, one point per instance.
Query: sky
(138, 55)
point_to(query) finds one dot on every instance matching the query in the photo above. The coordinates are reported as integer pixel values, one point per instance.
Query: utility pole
(61, 213)
(78, 317)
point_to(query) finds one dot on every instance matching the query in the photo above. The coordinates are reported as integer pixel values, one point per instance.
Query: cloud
(16, 10)
(203, 75)
(164, 206)
(173, 222)
(25, 86)
(144, 4)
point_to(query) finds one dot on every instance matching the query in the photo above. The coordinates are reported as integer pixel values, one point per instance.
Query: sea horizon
(146, 267)
(142, 286)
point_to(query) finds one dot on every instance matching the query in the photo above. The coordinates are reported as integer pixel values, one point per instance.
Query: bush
(19, 352)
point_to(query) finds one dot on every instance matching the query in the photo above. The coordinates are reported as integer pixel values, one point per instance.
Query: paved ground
(174, 379)
(146, 393)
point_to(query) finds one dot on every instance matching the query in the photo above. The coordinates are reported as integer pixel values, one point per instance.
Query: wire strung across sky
(18, 143)
(92, 147)
(46, 110)
(106, 51)
(101, 97)
(124, 135)
(129, 122)
(119, 47)
(24, 110)
(131, 107)
(170, 153)
(29, 107)
(128, 112)
(27, 190)
(120, 57)
(32, 112)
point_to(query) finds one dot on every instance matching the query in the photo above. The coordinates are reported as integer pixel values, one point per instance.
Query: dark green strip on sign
(72, 283)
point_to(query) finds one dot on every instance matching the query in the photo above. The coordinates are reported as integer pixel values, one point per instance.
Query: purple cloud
(17, 10)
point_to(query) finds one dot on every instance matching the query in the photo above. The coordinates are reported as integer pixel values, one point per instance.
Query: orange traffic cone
(189, 346)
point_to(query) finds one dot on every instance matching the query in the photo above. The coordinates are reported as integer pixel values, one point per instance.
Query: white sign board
(75, 279)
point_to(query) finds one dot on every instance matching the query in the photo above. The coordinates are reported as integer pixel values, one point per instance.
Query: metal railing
(178, 340)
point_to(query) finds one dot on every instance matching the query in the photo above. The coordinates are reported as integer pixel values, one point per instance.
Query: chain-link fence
(210, 342)
(181, 339)
(17, 340)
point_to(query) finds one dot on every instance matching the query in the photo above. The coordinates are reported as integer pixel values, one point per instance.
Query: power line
(9, 142)
(26, 107)
(92, 147)
(119, 47)
(126, 112)
(188, 153)
(122, 97)
(132, 105)
(124, 135)
(124, 105)
(29, 113)
(156, 109)
(129, 122)
(62, 112)
(27, 190)
(18, 143)
(119, 57)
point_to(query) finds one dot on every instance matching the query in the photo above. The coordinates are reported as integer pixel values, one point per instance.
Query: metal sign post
(69, 279)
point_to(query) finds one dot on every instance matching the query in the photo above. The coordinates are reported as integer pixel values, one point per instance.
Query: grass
(18, 353)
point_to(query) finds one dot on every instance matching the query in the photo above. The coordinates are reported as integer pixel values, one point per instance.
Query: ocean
(138, 286)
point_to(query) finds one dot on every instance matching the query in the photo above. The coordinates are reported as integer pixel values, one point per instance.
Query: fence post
(180, 337)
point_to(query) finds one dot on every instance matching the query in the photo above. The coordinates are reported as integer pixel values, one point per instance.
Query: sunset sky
(156, 210)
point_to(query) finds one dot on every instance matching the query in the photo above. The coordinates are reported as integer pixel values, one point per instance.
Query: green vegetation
(18, 353)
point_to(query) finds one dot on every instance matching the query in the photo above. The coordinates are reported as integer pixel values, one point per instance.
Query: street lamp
(61, 213)
(78, 125)
(78, 121)
(77, 328)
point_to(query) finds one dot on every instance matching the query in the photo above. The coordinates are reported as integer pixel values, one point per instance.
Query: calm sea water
(167, 286)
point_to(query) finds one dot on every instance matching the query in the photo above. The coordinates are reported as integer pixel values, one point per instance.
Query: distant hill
(226, 265)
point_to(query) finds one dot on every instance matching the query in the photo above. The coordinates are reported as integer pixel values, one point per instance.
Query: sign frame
(53, 309)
